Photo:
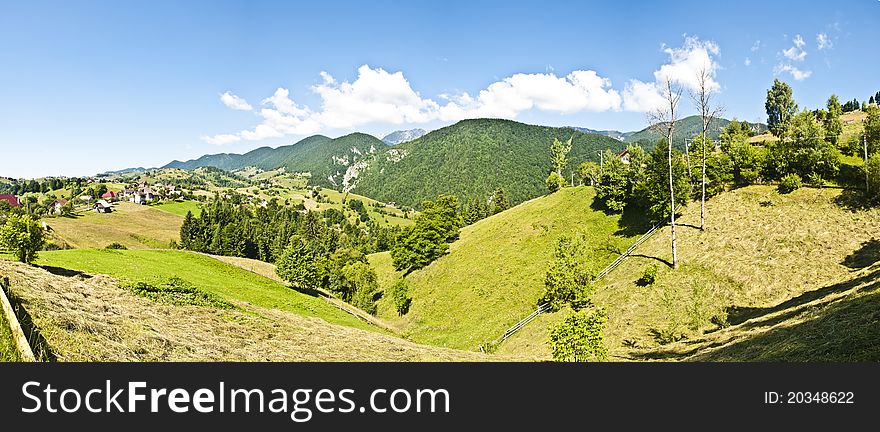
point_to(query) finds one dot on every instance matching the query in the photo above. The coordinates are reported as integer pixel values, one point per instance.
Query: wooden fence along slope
(546, 306)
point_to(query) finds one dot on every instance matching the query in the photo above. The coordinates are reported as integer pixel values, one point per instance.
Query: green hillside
(494, 274)
(686, 128)
(473, 157)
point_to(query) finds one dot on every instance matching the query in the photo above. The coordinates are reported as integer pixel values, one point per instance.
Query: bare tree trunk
(702, 98)
(672, 197)
(703, 183)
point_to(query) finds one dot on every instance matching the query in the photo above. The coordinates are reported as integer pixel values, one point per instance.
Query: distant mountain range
(468, 159)
(402, 136)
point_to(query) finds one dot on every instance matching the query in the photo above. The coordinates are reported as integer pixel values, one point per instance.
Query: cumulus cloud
(685, 64)
(823, 42)
(756, 46)
(235, 102)
(796, 73)
(797, 52)
(747, 62)
(379, 96)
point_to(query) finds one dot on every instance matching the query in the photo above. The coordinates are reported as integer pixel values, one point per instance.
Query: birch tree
(663, 121)
(702, 97)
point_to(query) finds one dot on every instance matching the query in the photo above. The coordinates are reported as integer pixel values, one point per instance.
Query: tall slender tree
(780, 107)
(702, 97)
(663, 120)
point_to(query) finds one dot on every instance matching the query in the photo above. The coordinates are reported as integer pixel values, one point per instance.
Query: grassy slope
(769, 258)
(135, 226)
(206, 273)
(493, 275)
(180, 208)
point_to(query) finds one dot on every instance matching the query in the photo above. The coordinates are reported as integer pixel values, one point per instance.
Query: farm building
(102, 206)
(109, 195)
(58, 204)
(143, 196)
(11, 199)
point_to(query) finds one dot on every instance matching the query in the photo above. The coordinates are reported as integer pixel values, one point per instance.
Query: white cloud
(823, 41)
(235, 102)
(747, 62)
(796, 73)
(642, 97)
(756, 46)
(683, 68)
(796, 53)
(378, 96)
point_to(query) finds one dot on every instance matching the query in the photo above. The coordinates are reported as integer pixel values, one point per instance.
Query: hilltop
(686, 128)
(473, 157)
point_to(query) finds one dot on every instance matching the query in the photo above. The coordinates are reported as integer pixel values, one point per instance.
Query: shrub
(399, 294)
(116, 246)
(23, 236)
(178, 292)
(580, 337)
(789, 183)
(649, 276)
(569, 280)
(555, 182)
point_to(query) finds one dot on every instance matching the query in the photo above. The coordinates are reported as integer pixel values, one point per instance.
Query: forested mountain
(328, 160)
(473, 157)
(686, 128)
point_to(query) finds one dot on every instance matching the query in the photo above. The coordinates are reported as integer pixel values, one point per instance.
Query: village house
(11, 199)
(143, 196)
(109, 195)
(58, 204)
(624, 156)
(102, 206)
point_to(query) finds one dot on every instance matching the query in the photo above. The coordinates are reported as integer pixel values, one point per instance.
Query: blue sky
(92, 86)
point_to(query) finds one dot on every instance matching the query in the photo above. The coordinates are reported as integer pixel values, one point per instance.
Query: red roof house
(11, 199)
(109, 194)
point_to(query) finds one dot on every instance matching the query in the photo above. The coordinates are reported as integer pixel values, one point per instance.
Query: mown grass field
(207, 274)
(96, 318)
(134, 226)
(768, 274)
(494, 274)
(180, 208)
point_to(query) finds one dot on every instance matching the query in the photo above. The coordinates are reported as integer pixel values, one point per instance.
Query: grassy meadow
(131, 225)
(229, 282)
(180, 208)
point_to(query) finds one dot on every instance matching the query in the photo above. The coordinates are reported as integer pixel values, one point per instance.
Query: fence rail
(522, 323)
(627, 253)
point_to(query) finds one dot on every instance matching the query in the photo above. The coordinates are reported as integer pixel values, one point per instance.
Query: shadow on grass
(864, 256)
(841, 329)
(59, 271)
(852, 200)
(740, 314)
(661, 260)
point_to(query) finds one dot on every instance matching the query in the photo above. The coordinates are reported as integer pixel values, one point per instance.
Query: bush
(569, 279)
(649, 276)
(555, 182)
(23, 236)
(116, 246)
(399, 294)
(580, 337)
(179, 292)
(790, 183)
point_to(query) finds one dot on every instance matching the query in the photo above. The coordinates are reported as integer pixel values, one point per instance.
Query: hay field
(134, 226)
